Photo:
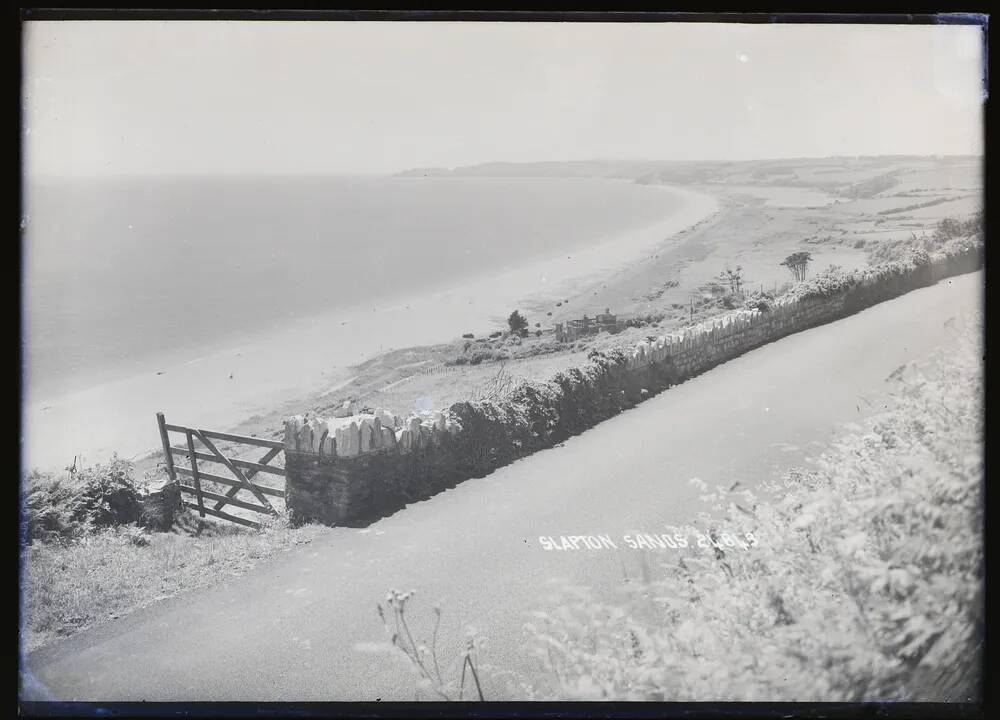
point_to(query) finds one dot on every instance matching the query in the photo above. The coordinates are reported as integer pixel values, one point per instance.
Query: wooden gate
(239, 482)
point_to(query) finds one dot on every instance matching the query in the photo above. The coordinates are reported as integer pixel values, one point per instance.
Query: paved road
(288, 630)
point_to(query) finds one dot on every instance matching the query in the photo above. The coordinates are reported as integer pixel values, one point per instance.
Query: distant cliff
(872, 172)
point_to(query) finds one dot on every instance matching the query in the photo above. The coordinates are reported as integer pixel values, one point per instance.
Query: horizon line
(25, 176)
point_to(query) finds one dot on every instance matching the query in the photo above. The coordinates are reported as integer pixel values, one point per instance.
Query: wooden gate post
(195, 475)
(168, 456)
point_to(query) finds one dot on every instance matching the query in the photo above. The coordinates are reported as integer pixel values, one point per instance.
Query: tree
(797, 263)
(518, 324)
(734, 278)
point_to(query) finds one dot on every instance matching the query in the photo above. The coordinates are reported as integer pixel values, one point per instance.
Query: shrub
(759, 300)
(108, 493)
(66, 507)
(918, 256)
(51, 512)
(961, 245)
(948, 228)
(832, 281)
(474, 355)
(948, 233)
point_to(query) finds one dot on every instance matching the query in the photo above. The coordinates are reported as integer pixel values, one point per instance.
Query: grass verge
(104, 575)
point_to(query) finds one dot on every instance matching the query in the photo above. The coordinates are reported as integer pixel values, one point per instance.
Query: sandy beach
(306, 357)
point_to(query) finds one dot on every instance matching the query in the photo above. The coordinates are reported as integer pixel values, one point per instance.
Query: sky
(167, 98)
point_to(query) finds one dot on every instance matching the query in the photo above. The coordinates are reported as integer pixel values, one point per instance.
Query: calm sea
(121, 273)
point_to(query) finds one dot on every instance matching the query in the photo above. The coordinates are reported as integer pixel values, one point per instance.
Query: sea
(123, 275)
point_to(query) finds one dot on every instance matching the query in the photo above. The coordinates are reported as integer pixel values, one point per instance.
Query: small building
(606, 318)
(574, 329)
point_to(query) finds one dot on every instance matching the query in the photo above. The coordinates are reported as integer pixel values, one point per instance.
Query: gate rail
(239, 482)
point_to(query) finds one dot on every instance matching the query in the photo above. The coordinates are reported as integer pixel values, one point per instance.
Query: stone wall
(339, 475)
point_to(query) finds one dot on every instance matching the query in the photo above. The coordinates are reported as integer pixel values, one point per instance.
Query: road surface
(289, 629)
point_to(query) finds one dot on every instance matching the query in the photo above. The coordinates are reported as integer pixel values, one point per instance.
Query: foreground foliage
(68, 506)
(458, 681)
(865, 582)
(102, 575)
(88, 554)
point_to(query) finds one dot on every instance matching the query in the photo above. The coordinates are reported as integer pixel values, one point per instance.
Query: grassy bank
(87, 558)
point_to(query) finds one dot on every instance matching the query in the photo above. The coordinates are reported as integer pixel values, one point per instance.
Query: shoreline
(157, 336)
(228, 388)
